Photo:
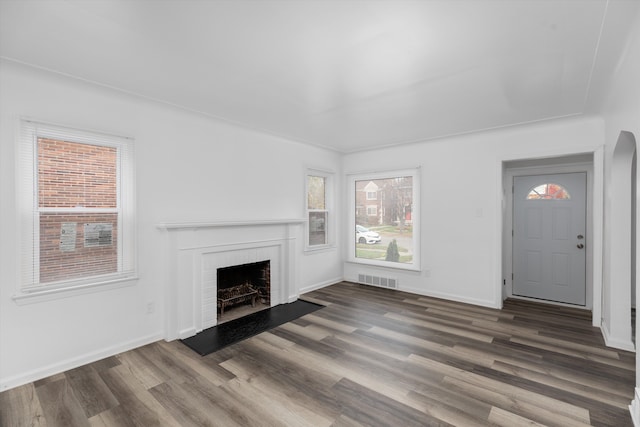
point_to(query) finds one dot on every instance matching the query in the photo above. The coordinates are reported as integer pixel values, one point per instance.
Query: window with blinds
(77, 221)
(319, 200)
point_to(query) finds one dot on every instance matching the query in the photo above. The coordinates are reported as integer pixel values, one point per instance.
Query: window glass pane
(317, 228)
(77, 176)
(549, 191)
(73, 175)
(384, 223)
(77, 245)
(316, 192)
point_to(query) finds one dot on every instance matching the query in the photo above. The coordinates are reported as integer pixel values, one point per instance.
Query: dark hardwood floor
(372, 357)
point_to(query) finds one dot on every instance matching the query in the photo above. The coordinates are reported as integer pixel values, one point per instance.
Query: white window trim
(415, 215)
(28, 289)
(373, 208)
(329, 209)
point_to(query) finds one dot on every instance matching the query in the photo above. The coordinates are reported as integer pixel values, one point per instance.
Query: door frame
(597, 215)
(510, 174)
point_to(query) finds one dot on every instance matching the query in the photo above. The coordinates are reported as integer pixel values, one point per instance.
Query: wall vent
(382, 282)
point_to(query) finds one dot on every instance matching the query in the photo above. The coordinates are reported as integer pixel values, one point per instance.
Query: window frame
(328, 210)
(29, 285)
(414, 173)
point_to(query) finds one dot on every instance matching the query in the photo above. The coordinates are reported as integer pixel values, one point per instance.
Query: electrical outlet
(151, 307)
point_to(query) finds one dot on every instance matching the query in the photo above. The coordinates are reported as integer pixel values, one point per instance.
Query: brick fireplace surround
(196, 250)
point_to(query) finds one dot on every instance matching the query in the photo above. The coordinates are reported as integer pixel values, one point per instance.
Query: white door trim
(508, 225)
(597, 230)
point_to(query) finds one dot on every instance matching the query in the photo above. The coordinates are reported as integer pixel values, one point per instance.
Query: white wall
(188, 167)
(461, 203)
(621, 113)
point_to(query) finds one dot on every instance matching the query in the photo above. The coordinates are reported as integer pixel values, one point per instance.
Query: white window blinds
(76, 207)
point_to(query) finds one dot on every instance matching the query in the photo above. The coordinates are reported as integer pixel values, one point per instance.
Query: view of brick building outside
(77, 200)
(384, 201)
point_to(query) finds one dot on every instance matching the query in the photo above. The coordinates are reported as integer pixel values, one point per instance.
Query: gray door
(549, 237)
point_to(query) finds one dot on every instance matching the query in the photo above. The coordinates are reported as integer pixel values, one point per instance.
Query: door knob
(580, 246)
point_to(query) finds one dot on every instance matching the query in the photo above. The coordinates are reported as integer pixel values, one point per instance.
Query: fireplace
(196, 251)
(243, 289)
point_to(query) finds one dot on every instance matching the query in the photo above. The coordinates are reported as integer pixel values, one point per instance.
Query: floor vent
(382, 282)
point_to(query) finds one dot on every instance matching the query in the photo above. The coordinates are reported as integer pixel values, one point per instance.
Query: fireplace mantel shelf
(217, 224)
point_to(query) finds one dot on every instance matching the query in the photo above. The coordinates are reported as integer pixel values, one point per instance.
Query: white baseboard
(56, 368)
(613, 342)
(186, 333)
(442, 295)
(451, 297)
(320, 285)
(634, 408)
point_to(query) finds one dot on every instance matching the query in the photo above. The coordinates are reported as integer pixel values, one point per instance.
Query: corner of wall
(615, 342)
(320, 285)
(64, 365)
(634, 408)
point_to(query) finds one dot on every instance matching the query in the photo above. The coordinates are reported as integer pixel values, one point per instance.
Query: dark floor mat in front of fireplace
(225, 334)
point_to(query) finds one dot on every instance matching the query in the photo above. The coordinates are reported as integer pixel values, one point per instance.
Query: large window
(77, 208)
(386, 233)
(318, 192)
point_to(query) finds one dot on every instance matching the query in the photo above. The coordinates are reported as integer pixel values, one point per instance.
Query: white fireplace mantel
(215, 224)
(196, 249)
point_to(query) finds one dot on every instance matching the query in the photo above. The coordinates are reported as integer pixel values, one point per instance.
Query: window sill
(388, 265)
(319, 249)
(43, 295)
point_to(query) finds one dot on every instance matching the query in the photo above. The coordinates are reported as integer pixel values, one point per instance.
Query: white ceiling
(349, 75)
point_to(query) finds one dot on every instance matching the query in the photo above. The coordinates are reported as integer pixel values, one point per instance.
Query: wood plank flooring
(372, 357)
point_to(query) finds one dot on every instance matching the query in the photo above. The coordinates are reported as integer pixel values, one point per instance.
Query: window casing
(318, 201)
(396, 219)
(76, 208)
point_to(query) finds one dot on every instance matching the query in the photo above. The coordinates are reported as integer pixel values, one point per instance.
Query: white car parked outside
(364, 235)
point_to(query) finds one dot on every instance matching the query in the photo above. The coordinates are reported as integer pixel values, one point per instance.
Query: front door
(549, 237)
